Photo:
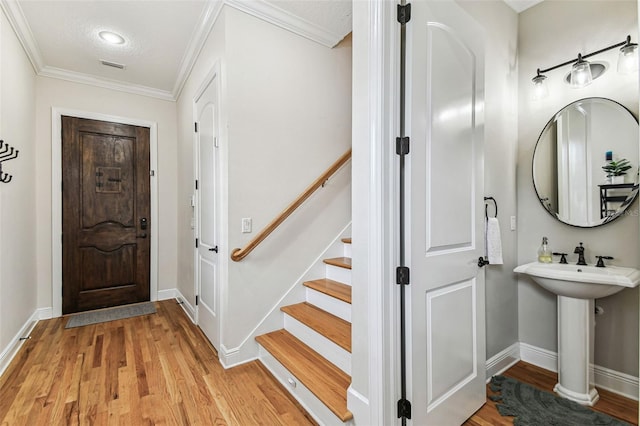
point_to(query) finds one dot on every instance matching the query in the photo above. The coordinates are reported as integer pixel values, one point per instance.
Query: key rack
(7, 153)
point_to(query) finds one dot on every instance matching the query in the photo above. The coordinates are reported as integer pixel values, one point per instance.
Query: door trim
(213, 77)
(56, 196)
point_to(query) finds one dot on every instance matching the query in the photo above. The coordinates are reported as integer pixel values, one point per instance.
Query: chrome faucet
(580, 251)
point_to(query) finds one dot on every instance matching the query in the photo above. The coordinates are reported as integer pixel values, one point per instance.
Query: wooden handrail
(239, 254)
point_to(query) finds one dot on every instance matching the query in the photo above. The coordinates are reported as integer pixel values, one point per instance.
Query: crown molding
(288, 21)
(77, 77)
(258, 8)
(198, 39)
(18, 22)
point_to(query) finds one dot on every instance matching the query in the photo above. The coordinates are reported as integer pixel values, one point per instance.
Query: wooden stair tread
(331, 288)
(326, 381)
(342, 262)
(330, 326)
(346, 240)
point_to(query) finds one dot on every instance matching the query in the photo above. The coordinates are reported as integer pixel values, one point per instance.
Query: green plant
(617, 168)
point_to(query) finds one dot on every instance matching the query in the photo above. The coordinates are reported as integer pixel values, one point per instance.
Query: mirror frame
(545, 128)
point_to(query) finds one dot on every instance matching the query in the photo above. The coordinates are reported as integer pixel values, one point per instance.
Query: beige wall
(52, 93)
(553, 32)
(18, 210)
(286, 116)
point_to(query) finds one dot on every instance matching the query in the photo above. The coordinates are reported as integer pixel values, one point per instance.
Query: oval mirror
(568, 161)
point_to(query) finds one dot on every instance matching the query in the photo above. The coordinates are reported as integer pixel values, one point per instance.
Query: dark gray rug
(533, 407)
(111, 314)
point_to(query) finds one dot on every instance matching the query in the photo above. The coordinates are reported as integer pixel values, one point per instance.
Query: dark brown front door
(105, 214)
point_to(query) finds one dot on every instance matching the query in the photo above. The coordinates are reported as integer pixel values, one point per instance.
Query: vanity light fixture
(584, 72)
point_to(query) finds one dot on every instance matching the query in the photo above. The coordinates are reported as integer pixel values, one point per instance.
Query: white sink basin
(581, 282)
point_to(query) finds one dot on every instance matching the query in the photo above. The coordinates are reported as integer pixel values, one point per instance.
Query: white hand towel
(494, 243)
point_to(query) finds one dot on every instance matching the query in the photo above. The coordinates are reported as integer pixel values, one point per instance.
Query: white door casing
(446, 295)
(207, 167)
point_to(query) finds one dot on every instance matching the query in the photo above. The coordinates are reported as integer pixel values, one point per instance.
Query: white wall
(501, 126)
(286, 118)
(17, 198)
(63, 94)
(550, 33)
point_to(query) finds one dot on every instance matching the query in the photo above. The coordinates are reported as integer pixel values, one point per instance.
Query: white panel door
(445, 104)
(206, 212)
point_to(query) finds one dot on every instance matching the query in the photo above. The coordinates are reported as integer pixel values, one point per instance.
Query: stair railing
(240, 253)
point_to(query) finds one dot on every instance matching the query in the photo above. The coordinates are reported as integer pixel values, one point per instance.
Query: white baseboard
(10, 351)
(167, 294)
(616, 382)
(44, 313)
(540, 357)
(611, 380)
(503, 360)
(188, 308)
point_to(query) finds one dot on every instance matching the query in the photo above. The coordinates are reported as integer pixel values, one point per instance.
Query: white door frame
(223, 252)
(56, 195)
(374, 390)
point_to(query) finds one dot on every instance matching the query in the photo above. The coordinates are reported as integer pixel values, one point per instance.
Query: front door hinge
(195, 126)
(404, 13)
(404, 409)
(402, 275)
(402, 145)
(197, 300)
(196, 243)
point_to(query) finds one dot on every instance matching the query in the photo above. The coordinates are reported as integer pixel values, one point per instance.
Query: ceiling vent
(112, 64)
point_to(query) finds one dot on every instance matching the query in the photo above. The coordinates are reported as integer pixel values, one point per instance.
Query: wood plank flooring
(154, 369)
(160, 369)
(614, 405)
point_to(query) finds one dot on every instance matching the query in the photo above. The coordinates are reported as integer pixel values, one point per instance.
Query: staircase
(311, 355)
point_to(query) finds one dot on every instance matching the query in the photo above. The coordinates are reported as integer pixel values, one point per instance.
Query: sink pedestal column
(576, 323)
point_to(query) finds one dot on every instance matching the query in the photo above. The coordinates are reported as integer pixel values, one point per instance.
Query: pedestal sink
(576, 287)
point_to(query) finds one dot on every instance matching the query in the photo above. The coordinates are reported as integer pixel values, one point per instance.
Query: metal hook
(6, 178)
(11, 156)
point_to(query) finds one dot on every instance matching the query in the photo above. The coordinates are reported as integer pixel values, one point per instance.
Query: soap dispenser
(544, 253)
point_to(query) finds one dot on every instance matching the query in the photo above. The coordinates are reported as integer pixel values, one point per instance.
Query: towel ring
(486, 206)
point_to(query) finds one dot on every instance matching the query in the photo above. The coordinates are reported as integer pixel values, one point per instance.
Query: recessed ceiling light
(111, 38)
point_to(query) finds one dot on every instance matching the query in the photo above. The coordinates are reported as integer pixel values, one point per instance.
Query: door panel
(446, 217)
(105, 201)
(206, 212)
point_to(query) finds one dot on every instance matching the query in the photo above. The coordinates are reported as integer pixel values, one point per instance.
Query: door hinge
(196, 243)
(196, 184)
(197, 299)
(404, 409)
(215, 142)
(404, 13)
(402, 275)
(195, 125)
(402, 145)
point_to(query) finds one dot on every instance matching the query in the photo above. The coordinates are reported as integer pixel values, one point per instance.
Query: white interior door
(447, 319)
(206, 212)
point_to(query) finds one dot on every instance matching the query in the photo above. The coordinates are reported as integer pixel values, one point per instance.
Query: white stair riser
(347, 250)
(308, 400)
(316, 341)
(330, 304)
(336, 273)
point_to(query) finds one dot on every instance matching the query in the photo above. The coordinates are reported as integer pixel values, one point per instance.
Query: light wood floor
(154, 369)
(160, 369)
(610, 403)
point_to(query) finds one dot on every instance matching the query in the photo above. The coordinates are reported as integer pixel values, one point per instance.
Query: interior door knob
(214, 249)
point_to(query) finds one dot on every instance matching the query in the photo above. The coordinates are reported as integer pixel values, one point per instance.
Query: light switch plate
(246, 225)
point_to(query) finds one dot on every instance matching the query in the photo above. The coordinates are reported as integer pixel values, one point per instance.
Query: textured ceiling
(162, 36)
